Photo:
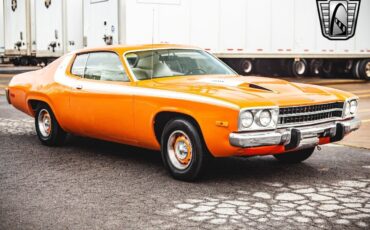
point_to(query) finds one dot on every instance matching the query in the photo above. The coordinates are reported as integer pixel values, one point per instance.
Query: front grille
(309, 114)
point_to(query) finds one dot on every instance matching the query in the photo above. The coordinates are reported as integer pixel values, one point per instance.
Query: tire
(316, 67)
(364, 69)
(295, 157)
(298, 68)
(246, 66)
(48, 129)
(188, 163)
(356, 70)
(327, 69)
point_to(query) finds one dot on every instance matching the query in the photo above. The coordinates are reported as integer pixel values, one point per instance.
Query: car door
(101, 101)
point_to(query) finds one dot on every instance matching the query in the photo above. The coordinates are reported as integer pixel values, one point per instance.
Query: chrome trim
(316, 122)
(310, 113)
(284, 116)
(258, 109)
(308, 135)
(296, 106)
(346, 103)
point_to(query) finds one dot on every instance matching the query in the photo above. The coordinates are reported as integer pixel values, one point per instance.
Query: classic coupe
(182, 101)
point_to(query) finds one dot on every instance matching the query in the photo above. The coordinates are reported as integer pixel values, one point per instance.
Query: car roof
(127, 48)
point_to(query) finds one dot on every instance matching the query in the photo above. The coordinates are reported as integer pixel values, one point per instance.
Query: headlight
(258, 119)
(353, 107)
(350, 108)
(264, 118)
(246, 119)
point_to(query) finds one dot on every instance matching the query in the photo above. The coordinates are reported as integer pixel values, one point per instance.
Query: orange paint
(125, 112)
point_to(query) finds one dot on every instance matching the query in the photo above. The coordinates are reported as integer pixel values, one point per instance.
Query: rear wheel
(48, 130)
(183, 152)
(295, 157)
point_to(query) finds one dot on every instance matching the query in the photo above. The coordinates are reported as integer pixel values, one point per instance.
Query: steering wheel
(195, 71)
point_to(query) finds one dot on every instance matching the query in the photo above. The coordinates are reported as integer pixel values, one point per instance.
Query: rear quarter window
(79, 64)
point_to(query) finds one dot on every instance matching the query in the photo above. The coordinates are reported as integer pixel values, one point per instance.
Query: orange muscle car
(183, 101)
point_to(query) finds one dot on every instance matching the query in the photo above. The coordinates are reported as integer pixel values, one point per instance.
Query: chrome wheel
(44, 123)
(180, 151)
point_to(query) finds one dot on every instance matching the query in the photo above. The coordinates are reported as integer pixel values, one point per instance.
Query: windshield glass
(174, 62)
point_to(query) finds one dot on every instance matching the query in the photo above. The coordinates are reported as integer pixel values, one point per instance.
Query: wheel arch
(33, 104)
(161, 118)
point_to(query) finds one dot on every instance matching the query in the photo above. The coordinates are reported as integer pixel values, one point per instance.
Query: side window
(105, 66)
(78, 66)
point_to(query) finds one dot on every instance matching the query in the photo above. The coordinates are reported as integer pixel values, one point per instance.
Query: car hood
(250, 91)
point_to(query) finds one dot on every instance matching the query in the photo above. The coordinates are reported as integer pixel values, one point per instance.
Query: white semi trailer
(252, 36)
(2, 35)
(260, 36)
(40, 30)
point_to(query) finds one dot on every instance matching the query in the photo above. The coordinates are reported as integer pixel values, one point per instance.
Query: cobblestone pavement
(94, 184)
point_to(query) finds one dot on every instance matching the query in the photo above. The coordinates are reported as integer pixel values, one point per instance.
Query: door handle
(79, 87)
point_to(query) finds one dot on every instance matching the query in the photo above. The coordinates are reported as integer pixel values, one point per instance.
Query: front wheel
(183, 153)
(295, 157)
(47, 127)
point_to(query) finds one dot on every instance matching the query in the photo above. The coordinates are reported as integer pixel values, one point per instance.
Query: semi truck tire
(298, 68)
(246, 66)
(356, 70)
(327, 69)
(364, 69)
(316, 67)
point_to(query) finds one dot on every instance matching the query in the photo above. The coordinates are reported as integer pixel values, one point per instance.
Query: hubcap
(44, 123)
(367, 69)
(179, 150)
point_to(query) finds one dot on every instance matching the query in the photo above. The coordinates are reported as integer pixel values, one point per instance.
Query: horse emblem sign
(338, 18)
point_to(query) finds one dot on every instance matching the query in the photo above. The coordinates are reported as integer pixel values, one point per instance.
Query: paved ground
(94, 184)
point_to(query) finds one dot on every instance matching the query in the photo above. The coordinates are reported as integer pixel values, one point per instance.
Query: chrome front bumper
(297, 137)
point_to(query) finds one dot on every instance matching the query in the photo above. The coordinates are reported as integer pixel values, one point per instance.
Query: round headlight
(246, 119)
(265, 118)
(353, 107)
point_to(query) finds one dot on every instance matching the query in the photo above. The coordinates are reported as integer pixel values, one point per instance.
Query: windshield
(174, 62)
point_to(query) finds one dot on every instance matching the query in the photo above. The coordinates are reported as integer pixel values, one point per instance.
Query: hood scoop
(254, 86)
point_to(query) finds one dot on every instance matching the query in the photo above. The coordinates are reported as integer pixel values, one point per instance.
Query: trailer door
(15, 27)
(49, 30)
(101, 22)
